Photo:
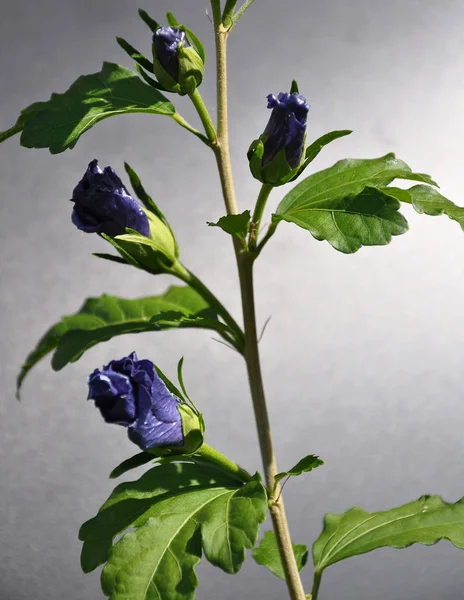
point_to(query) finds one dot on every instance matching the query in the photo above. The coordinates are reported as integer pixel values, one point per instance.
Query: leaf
(111, 257)
(152, 24)
(141, 194)
(58, 123)
(100, 319)
(175, 510)
(138, 460)
(370, 218)
(347, 177)
(425, 521)
(236, 225)
(267, 555)
(427, 200)
(306, 464)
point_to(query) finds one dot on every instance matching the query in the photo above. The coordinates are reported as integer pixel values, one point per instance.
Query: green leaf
(425, 521)
(100, 319)
(177, 509)
(111, 257)
(59, 123)
(427, 200)
(347, 177)
(306, 464)
(141, 194)
(294, 89)
(370, 218)
(267, 555)
(236, 225)
(138, 460)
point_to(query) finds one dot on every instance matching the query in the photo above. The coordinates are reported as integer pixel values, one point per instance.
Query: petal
(153, 433)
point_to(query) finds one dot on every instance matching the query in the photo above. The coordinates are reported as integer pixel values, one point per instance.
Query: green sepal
(138, 460)
(277, 172)
(193, 429)
(171, 19)
(294, 89)
(152, 24)
(137, 56)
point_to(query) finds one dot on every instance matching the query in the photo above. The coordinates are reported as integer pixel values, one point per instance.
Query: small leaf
(306, 464)
(138, 460)
(267, 555)
(370, 218)
(236, 225)
(58, 123)
(176, 509)
(100, 319)
(427, 200)
(425, 521)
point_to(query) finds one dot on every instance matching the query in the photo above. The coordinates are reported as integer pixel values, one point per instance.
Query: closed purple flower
(166, 42)
(103, 205)
(286, 128)
(129, 392)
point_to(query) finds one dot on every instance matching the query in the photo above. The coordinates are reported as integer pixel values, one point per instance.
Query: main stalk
(245, 269)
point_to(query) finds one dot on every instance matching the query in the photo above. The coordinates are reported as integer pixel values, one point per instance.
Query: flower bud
(103, 205)
(176, 63)
(130, 393)
(276, 156)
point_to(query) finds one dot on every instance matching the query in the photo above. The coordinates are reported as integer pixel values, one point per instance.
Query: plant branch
(228, 12)
(241, 11)
(204, 115)
(245, 269)
(316, 585)
(186, 125)
(263, 196)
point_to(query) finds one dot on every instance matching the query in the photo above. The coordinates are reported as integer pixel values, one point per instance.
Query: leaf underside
(100, 319)
(425, 521)
(174, 512)
(267, 555)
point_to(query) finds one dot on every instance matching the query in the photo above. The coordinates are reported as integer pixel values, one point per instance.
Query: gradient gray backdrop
(363, 356)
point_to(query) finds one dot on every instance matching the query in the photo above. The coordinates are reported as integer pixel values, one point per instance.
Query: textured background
(363, 355)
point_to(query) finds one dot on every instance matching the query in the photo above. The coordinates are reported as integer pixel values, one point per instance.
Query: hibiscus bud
(276, 156)
(103, 205)
(129, 392)
(176, 63)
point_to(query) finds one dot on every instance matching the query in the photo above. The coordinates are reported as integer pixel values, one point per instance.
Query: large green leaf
(177, 510)
(342, 205)
(427, 200)
(267, 555)
(424, 521)
(58, 123)
(100, 319)
(369, 218)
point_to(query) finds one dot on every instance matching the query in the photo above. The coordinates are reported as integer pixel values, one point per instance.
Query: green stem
(316, 585)
(269, 233)
(263, 196)
(252, 359)
(214, 456)
(204, 116)
(216, 7)
(194, 282)
(228, 12)
(241, 12)
(186, 125)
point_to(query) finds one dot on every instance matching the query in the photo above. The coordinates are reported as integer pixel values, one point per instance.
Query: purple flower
(166, 42)
(103, 205)
(286, 128)
(129, 392)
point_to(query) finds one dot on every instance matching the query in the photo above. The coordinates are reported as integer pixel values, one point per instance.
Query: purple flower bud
(166, 42)
(286, 128)
(129, 392)
(103, 205)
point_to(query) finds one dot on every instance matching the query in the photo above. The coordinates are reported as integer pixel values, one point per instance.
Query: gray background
(363, 355)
